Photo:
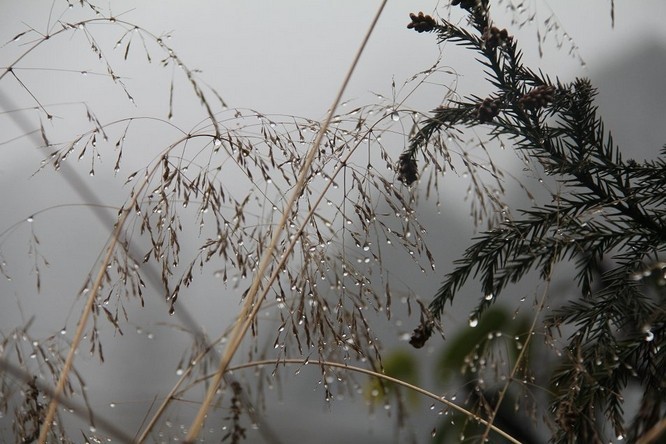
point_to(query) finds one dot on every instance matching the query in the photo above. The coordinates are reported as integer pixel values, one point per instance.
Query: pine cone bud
(421, 22)
(465, 4)
(495, 37)
(421, 334)
(407, 169)
(487, 110)
(537, 97)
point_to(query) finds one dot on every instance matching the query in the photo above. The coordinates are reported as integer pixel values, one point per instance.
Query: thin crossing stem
(516, 366)
(387, 378)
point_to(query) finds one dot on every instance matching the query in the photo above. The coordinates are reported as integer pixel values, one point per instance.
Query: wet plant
(293, 222)
(296, 233)
(607, 217)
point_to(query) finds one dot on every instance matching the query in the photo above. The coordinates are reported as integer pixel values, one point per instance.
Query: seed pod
(537, 97)
(487, 110)
(421, 22)
(494, 37)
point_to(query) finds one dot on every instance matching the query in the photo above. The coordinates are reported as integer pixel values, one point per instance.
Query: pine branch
(610, 210)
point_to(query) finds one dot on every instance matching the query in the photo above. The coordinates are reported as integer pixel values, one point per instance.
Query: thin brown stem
(94, 290)
(252, 303)
(387, 378)
(83, 320)
(162, 408)
(79, 410)
(519, 360)
(653, 434)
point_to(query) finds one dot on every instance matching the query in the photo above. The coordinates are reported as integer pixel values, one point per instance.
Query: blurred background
(283, 58)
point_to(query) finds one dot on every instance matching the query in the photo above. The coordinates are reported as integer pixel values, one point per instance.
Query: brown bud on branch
(421, 22)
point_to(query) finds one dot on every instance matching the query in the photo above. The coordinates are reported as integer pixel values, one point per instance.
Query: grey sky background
(285, 57)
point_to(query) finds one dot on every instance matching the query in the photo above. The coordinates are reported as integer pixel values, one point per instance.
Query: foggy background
(288, 58)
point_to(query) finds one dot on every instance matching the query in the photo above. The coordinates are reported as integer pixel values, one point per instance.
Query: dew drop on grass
(30, 219)
(489, 297)
(473, 322)
(395, 116)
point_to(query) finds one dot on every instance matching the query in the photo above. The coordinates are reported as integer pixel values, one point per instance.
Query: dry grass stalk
(252, 303)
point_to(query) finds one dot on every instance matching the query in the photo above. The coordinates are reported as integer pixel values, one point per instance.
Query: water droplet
(63, 331)
(112, 405)
(489, 297)
(395, 116)
(473, 322)
(30, 219)
(179, 372)
(649, 336)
